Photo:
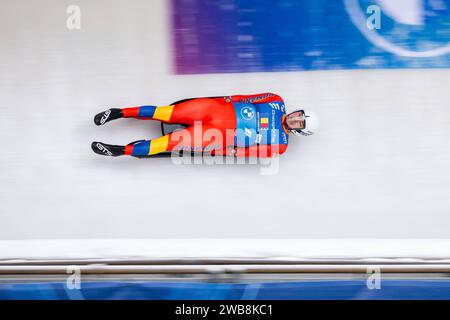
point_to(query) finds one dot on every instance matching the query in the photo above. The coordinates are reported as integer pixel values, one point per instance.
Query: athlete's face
(295, 120)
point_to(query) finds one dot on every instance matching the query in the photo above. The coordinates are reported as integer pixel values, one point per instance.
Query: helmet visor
(296, 120)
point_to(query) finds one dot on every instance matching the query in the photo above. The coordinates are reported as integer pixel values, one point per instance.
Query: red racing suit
(240, 125)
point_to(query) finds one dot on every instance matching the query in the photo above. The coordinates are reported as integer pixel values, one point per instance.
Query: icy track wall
(377, 168)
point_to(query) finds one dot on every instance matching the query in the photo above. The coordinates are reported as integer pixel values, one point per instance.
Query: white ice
(377, 168)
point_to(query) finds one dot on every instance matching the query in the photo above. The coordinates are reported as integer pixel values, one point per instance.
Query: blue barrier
(283, 35)
(305, 290)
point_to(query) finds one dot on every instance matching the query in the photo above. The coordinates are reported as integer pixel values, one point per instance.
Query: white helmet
(311, 123)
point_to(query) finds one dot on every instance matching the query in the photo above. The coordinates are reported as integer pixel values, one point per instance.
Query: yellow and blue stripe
(162, 113)
(151, 147)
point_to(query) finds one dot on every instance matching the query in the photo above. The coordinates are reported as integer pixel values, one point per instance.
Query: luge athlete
(240, 125)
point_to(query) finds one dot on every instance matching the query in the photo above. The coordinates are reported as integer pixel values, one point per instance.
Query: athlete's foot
(107, 149)
(108, 115)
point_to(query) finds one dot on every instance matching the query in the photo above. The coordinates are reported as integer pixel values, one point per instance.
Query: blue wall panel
(283, 35)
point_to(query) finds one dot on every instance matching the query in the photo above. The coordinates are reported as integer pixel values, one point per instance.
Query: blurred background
(376, 72)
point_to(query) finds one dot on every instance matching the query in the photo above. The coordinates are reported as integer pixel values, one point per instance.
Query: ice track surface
(378, 167)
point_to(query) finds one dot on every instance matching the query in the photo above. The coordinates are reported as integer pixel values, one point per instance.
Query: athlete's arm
(257, 98)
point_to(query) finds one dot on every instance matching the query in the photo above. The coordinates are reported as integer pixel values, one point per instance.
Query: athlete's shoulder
(257, 98)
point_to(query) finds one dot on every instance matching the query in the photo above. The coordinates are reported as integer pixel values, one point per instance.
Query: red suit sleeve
(257, 98)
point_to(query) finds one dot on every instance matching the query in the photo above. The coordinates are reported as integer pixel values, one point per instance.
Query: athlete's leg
(185, 112)
(161, 113)
(197, 138)
(140, 148)
(147, 147)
